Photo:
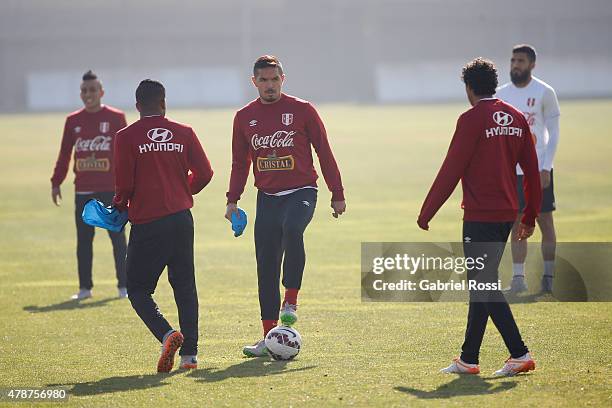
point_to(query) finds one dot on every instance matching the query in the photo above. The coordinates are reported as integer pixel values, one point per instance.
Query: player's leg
(519, 248)
(549, 237)
(520, 359)
(268, 253)
(298, 209)
(477, 313)
(496, 235)
(474, 333)
(549, 246)
(149, 250)
(147, 256)
(119, 250)
(85, 235)
(496, 304)
(119, 253)
(181, 275)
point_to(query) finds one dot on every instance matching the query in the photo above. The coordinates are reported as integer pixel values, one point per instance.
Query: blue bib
(239, 222)
(97, 215)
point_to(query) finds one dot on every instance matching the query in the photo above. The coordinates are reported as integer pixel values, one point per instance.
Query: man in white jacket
(538, 102)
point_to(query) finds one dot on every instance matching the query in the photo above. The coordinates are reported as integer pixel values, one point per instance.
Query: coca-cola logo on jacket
(97, 144)
(280, 138)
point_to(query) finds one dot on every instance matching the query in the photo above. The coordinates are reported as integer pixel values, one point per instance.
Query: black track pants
(279, 231)
(488, 238)
(85, 235)
(153, 246)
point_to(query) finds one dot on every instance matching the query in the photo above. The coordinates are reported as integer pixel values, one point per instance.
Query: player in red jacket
(276, 132)
(489, 141)
(160, 165)
(90, 131)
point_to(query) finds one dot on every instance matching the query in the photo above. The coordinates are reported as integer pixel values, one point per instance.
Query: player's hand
(232, 208)
(56, 195)
(524, 231)
(424, 225)
(339, 208)
(544, 179)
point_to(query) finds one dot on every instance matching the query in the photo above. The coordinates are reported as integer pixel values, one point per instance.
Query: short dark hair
(267, 61)
(149, 93)
(480, 75)
(527, 49)
(89, 76)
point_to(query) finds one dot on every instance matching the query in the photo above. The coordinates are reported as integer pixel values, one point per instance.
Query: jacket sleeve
(457, 159)
(201, 171)
(63, 159)
(318, 137)
(528, 160)
(125, 168)
(241, 163)
(122, 122)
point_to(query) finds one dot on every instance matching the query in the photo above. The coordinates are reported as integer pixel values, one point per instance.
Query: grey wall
(334, 50)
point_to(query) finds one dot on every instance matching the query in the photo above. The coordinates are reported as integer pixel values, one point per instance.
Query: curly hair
(480, 75)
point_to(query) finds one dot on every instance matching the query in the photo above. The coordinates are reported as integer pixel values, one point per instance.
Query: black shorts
(548, 194)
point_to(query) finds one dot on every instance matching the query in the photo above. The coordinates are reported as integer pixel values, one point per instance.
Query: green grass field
(359, 354)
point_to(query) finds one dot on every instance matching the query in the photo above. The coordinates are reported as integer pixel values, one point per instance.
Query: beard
(270, 96)
(519, 77)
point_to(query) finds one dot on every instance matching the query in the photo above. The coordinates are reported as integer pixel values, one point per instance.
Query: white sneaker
(458, 366)
(514, 366)
(189, 362)
(83, 294)
(517, 285)
(256, 350)
(547, 284)
(122, 293)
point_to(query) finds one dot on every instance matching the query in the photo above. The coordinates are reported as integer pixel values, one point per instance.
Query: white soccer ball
(283, 343)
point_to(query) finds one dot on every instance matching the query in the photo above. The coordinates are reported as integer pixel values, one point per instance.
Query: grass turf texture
(354, 353)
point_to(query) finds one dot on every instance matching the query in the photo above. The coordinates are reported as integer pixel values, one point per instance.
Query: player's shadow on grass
(117, 384)
(252, 367)
(461, 386)
(68, 305)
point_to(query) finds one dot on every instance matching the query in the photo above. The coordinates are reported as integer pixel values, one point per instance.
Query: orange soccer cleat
(169, 347)
(514, 366)
(461, 367)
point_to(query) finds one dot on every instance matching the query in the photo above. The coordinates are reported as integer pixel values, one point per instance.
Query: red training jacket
(277, 138)
(92, 137)
(490, 139)
(159, 165)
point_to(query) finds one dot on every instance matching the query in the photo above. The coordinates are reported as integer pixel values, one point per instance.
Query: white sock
(549, 268)
(518, 270)
(468, 364)
(526, 356)
(167, 334)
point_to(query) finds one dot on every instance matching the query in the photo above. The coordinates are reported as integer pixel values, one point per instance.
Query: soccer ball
(283, 343)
